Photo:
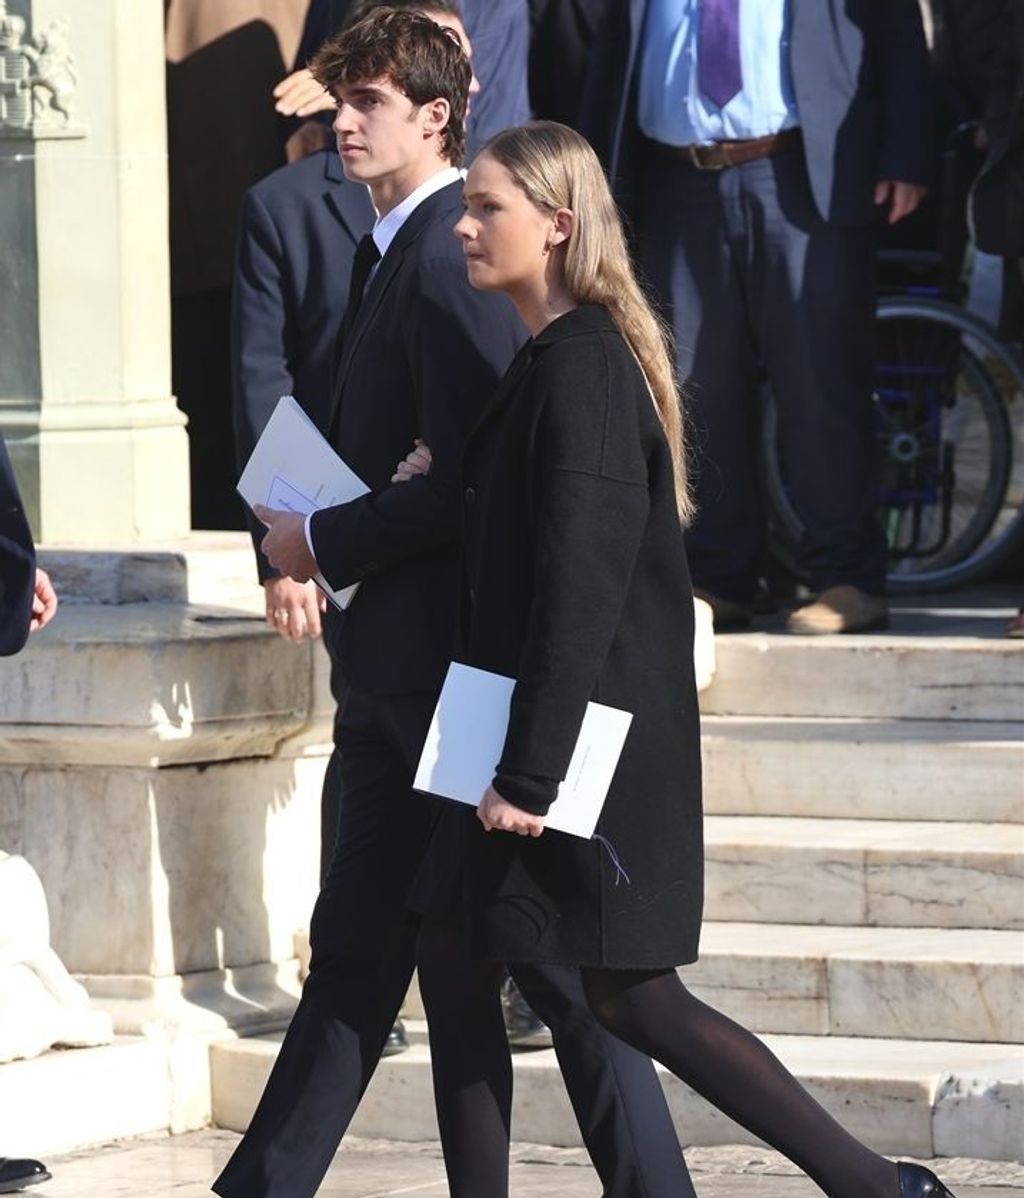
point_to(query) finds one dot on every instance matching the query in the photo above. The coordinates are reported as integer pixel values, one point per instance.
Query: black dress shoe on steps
(17, 1174)
(729, 615)
(918, 1182)
(397, 1040)
(523, 1028)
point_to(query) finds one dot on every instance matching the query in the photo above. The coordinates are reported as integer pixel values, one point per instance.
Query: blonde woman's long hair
(556, 168)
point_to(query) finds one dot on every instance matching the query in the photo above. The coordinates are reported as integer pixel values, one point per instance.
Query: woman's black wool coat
(577, 586)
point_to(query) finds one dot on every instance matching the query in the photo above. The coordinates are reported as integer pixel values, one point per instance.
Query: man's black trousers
(363, 953)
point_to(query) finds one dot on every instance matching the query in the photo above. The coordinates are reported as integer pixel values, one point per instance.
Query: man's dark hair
(362, 8)
(413, 53)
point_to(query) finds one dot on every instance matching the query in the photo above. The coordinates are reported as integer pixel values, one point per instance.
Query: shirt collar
(386, 229)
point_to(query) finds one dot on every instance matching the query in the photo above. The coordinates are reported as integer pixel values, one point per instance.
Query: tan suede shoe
(840, 609)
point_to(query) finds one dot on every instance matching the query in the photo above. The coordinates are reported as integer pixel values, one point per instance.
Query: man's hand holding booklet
(293, 469)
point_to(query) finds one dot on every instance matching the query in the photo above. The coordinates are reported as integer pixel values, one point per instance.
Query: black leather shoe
(729, 615)
(397, 1040)
(918, 1182)
(17, 1174)
(522, 1026)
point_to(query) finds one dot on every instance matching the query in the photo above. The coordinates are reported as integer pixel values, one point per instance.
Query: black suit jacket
(298, 232)
(17, 562)
(860, 73)
(422, 359)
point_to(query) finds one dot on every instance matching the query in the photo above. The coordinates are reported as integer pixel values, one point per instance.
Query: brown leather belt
(721, 154)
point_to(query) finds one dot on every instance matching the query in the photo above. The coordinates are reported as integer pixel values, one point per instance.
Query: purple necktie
(718, 50)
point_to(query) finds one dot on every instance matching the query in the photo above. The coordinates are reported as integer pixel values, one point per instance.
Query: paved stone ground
(183, 1166)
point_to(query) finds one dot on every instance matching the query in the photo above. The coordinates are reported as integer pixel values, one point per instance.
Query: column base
(90, 472)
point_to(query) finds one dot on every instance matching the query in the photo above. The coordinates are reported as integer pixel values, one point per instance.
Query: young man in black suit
(421, 351)
(298, 232)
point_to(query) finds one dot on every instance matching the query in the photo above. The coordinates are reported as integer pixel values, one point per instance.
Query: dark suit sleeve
(459, 343)
(17, 563)
(261, 337)
(591, 515)
(902, 57)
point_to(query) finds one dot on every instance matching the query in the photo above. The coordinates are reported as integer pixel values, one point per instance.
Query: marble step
(903, 983)
(194, 684)
(913, 1098)
(67, 1099)
(888, 873)
(873, 676)
(900, 769)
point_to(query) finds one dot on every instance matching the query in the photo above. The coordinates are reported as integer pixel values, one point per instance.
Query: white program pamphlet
(467, 735)
(293, 469)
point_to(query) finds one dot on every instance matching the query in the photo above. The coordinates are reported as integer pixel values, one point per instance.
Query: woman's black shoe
(918, 1182)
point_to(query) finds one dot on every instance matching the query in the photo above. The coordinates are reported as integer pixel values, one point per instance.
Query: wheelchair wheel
(949, 420)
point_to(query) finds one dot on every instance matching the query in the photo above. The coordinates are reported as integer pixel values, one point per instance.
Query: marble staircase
(865, 894)
(865, 833)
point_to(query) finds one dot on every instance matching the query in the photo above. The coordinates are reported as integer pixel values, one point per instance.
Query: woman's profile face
(505, 238)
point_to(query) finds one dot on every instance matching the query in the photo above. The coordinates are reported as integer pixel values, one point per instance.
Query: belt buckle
(694, 153)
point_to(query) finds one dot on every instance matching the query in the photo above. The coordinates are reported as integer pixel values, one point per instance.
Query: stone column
(97, 442)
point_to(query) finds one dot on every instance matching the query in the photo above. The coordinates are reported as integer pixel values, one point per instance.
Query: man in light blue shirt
(671, 106)
(755, 145)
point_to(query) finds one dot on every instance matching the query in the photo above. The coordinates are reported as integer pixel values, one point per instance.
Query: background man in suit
(27, 603)
(754, 144)
(420, 354)
(298, 231)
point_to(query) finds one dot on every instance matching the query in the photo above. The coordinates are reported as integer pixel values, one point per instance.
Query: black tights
(738, 1074)
(654, 1013)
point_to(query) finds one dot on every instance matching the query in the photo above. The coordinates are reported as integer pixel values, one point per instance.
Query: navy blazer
(500, 36)
(298, 232)
(17, 562)
(861, 77)
(422, 359)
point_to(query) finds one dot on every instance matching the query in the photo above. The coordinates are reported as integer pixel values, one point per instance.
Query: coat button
(470, 496)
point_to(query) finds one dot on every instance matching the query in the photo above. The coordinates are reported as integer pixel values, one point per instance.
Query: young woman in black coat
(577, 586)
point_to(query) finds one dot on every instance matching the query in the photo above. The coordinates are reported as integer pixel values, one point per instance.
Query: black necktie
(367, 257)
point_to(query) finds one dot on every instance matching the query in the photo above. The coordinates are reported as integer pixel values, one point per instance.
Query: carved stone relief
(40, 1003)
(37, 79)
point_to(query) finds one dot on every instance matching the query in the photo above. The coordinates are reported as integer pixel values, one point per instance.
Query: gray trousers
(754, 283)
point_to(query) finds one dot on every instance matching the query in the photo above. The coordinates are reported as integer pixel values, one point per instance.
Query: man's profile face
(380, 132)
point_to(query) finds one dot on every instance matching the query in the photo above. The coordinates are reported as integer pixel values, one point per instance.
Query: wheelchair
(948, 405)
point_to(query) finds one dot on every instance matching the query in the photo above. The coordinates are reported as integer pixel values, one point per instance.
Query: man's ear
(436, 114)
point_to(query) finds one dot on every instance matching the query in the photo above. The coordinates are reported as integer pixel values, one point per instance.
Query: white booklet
(293, 469)
(467, 735)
